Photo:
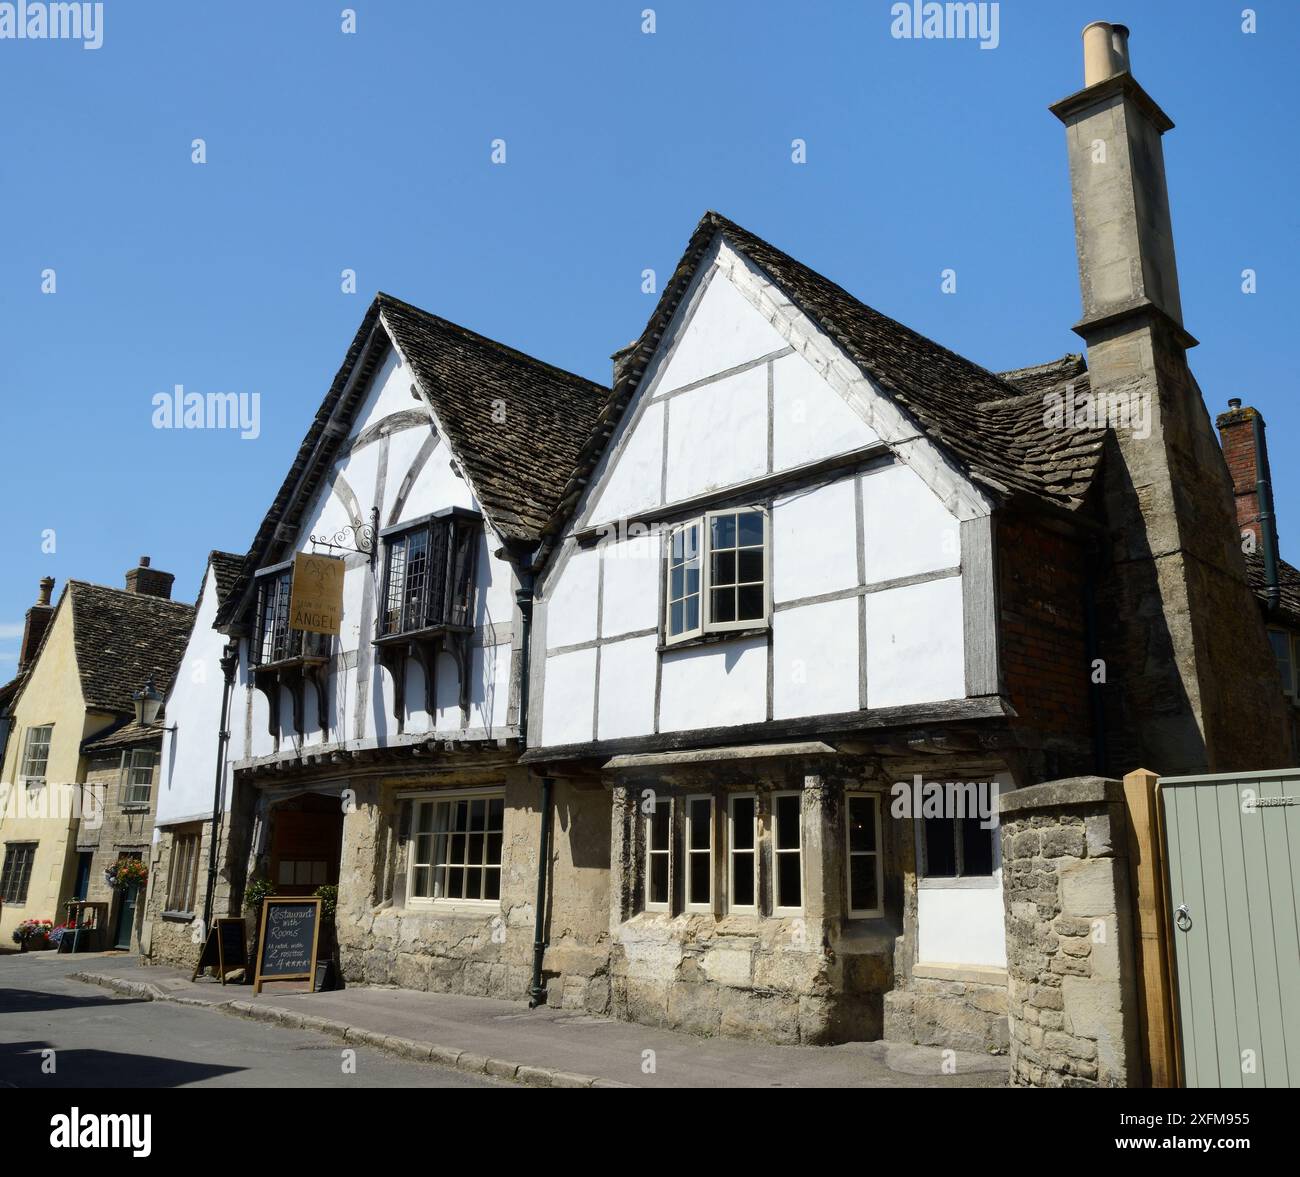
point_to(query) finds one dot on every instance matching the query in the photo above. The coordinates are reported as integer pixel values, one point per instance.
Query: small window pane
(693, 612)
(742, 880)
(787, 822)
(751, 529)
(659, 827)
(724, 568)
(862, 883)
(751, 566)
(940, 848)
(788, 880)
(724, 531)
(862, 824)
(749, 605)
(701, 872)
(976, 848)
(742, 823)
(724, 604)
(700, 823)
(492, 883)
(659, 878)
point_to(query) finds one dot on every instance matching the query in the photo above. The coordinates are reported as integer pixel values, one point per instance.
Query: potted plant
(255, 890)
(32, 934)
(327, 958)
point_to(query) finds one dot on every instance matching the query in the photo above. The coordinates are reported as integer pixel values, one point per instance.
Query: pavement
(485, 1039)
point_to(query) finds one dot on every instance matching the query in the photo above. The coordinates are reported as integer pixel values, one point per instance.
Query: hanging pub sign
(316, 599)
(224, 949)
(286, 945)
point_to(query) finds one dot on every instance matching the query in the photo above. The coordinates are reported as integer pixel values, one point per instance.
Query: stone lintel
(1075, 791)
(805, 749)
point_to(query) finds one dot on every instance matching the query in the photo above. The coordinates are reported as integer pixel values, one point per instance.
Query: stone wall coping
(970, 974)
(1070, 791)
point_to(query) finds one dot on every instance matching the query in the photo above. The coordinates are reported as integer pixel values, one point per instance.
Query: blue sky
(371, 152)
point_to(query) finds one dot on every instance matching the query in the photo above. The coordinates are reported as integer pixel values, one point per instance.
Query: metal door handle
(1183, 918)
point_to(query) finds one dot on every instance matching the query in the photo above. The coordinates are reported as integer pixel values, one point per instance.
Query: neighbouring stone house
(97, 648)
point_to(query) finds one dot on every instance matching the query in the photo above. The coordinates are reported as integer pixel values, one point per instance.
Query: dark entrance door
(82, 886)
(126, 912)
(306, 842)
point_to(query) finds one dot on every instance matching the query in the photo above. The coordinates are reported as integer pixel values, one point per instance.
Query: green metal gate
(1233, 850)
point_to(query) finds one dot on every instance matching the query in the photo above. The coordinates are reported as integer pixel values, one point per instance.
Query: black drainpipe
(524, 599)
(1267, 521)
(1096, 704)
(229, 660)
(537, 991)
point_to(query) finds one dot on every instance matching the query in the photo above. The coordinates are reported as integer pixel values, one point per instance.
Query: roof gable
(991, 428)
(514, 424)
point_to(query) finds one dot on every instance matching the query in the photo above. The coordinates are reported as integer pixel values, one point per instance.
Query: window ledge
(177, 917)
(971, 974)
(137, 807)
(451, 908)
(711, 639)
(962, 883)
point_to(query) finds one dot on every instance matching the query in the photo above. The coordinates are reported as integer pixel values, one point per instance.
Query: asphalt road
(103, 1041)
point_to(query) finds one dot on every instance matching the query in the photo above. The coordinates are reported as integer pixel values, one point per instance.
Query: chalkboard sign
(224, 949)
(286, 944)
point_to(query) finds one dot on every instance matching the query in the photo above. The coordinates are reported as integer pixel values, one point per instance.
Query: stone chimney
(149, 581)
(38, 621)
(1191, 683)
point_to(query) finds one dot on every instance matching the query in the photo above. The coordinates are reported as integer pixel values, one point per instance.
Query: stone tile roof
(121, 639)
(1288, 583)
(126, 735)
(516, 466)
(991, 426)
(226, 567)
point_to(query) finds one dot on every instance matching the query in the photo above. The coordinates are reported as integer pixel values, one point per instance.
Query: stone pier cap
(1069, 791)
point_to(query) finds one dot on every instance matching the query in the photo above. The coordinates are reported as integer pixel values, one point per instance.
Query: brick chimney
(1245, 450)
(149, 581)
(38, 621)
(1192, 686)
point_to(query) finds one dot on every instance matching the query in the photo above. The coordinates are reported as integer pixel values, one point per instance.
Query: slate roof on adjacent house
(991, 425)
(514, 423)
(126, 734)
(122, 639)
(1288, 583)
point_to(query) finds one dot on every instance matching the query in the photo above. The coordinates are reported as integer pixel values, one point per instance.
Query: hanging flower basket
(126, 872)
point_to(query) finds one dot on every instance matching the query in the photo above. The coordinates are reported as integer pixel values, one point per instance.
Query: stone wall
(1072, 998)
(481, 952)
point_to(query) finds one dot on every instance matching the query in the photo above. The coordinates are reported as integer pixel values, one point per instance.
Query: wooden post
(1147, 877)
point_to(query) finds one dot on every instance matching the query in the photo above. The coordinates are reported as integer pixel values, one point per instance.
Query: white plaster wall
(627, 688)
(189, 758)
(714, 686)
(571, 608)
(815, 659)
(390, 392)
(908, 530)
(717, 434)
(915, 644)
(723, 332)
(634, 482)
(569, 708)
(961, 925)
(810, 419)
(814, 544)
(630, 592)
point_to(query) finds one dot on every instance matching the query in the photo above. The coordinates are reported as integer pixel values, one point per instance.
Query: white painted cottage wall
(738, 393)
(380, 473)
(189, 758)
